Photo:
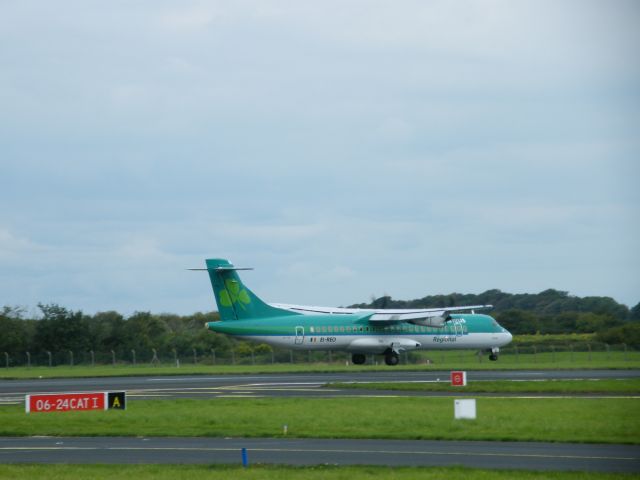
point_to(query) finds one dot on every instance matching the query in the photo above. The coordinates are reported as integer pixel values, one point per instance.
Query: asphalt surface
(275, 385)
(491, 455)
(512, 455)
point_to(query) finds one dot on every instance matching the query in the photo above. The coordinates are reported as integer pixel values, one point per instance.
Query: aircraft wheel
(358, 358)
(493, 357)
(392, 359)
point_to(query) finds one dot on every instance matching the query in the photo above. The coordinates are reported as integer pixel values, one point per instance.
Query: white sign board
(465, 408)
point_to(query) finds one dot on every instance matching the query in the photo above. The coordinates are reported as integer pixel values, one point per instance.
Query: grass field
(445, 360)
(543, 419)
(627, 386)
(219, 472)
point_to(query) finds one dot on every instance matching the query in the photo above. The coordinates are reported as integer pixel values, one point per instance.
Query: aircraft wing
(426, 316)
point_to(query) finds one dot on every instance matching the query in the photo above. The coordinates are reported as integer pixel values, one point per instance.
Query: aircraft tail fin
(234, 300)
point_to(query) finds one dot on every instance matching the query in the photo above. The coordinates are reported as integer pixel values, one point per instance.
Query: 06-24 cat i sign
(64, 402)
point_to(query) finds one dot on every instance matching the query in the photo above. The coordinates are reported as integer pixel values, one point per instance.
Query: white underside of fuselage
(381, 343)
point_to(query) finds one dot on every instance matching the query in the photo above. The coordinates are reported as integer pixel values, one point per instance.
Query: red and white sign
(63, 402)
(458, 379)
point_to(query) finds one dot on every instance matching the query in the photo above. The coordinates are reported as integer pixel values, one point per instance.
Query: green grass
(218, 472)
(561, 420)
(425, 361)
(627, 386)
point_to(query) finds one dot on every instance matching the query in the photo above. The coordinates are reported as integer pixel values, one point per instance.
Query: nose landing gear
(493, 354)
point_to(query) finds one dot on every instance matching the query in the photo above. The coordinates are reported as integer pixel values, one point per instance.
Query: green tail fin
(235, 301)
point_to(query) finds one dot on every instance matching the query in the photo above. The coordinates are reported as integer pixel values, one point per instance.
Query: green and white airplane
(358, 331)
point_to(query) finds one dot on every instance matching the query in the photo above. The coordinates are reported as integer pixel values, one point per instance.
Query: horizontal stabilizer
(219, 269)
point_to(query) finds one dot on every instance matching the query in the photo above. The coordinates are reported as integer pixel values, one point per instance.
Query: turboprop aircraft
(358, 331)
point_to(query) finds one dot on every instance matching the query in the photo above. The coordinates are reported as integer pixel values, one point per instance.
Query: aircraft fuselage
(354, 333)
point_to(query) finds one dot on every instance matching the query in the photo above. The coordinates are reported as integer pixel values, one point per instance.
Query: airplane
(358, 331)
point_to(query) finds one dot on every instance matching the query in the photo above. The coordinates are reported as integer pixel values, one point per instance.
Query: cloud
(341, 148)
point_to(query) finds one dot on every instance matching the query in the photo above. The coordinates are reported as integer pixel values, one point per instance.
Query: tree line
(548, 312)
(109, 334)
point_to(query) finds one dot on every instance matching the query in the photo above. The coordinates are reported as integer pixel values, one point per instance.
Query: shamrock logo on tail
(233, 294)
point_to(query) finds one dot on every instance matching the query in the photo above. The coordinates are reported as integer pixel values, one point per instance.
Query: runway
(515, 455)
(275, 385)
(491, 455)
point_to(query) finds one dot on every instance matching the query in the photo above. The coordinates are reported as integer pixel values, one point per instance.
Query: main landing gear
(358, 358)
(392, 359)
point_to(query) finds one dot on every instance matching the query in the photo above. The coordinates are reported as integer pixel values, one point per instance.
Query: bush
(629, 334)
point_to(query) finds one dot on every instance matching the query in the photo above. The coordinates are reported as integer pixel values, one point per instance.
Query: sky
(344, 149)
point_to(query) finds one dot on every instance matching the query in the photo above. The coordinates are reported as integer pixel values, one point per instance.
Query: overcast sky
(345, 149)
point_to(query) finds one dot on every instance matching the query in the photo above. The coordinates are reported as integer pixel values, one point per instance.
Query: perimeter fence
(574, 354)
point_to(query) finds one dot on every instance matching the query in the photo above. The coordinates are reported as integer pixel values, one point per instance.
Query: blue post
(245, 458)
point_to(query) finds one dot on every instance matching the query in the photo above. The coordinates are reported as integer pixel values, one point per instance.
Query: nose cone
(507, 336)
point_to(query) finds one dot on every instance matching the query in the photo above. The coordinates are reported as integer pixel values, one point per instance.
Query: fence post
(606, 345)
(113, 358)
(517, 355)
(155, 360)
(195, 357)
(535, 354)
(589, 347)
(133, 356)
(571, 352)
(71, 358)
(291, 356)
(479, 356)
(213, 356)
(93, 358)
(553, 354)
(175, 356)
(6, 359)
(273, 357)
(28, 360)
(330, 357)
(253, 358)
(233, 356)
(624, 345)
(50, 360)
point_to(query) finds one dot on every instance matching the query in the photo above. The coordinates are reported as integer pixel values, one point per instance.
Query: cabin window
(324, 329)
(330, 329)
(342, 329)
(348, 329)
(311, 329)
